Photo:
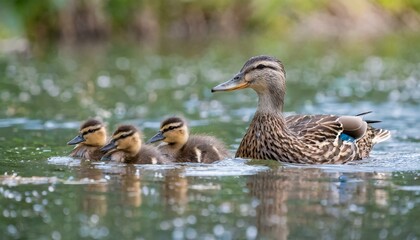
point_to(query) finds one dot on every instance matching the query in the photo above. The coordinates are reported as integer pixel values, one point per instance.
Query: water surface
(46, 195)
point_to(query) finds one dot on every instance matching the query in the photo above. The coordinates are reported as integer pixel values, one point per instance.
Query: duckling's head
(173, 130)
(264, 74)
(91, 133)
(126, 138)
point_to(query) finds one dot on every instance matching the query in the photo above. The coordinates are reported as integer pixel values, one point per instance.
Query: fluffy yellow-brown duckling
(92, 136)
(181, 147)
(310, 139)
(126, 146)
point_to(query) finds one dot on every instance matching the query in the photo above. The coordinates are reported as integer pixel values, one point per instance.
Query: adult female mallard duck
(181, 147)
(310, 139)
(126, 146)
(92, 136)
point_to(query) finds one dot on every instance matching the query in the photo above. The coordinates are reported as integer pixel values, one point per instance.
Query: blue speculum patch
(347, 138)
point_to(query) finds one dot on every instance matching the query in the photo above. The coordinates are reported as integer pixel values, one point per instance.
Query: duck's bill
(111, 145)
(76, 140)
(158, 137)
(234, 84)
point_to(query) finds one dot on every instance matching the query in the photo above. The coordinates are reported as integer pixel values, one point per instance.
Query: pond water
(46, 195)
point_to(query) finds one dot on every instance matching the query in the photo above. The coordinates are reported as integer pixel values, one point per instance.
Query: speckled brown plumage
(309, 139)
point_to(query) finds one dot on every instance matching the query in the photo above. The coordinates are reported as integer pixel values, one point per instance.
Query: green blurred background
(160, 23)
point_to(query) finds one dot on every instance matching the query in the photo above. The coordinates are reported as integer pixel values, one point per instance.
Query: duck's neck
(175, 146)
(270, 108)
(271, 101)
(180, 141)
(133, 150)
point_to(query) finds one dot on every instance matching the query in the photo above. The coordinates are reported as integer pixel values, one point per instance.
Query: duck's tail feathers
(363, 113)
(368, 121)
(381, 135)
(372, 121)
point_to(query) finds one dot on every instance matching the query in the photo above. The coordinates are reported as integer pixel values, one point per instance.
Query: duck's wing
(327, 127)
(315, 127)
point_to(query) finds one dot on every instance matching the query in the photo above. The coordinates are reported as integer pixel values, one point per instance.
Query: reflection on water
(278, 203)
(291, 199)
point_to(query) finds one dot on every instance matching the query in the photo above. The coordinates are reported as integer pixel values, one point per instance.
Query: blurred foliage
(154, 21)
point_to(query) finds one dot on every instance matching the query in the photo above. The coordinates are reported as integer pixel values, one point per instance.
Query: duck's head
(126, 138)
(173, 130)
(91, 133)
(264, 74)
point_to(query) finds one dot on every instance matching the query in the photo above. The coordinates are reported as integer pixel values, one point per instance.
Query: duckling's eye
(260, 66)
(91, 131)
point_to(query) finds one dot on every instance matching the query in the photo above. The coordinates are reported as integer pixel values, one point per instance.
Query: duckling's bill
(237, 82)
(111, 145)
(76, 140)
(158, 137)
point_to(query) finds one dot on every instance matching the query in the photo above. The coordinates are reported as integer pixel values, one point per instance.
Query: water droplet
(24, 97)
(178, 222)
(12, 230)
(165, 225)
(251, 232)
(383, 234)
(56, 235)
(38, 208)
(122, 63)
(103, 81)
(225, 208)
(191, 219)
(352, 208)
(218, 230)
(177, 234)
(66, 211)
(191, 233)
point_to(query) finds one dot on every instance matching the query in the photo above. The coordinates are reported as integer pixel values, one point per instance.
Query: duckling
(92, 136)
(126, 146)
(308, 139)
(181, 147)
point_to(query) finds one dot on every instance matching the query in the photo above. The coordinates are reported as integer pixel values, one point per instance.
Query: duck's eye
(260, 66)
